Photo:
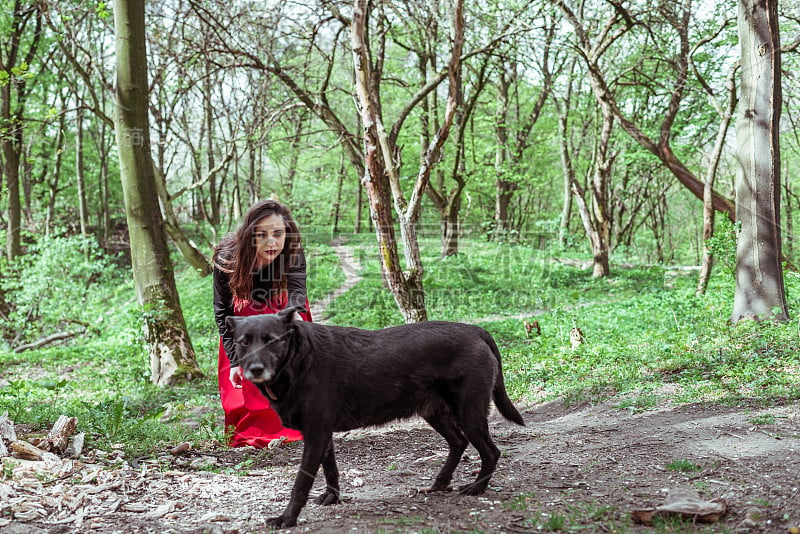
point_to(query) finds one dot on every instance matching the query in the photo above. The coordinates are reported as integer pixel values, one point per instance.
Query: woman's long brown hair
(236, 252)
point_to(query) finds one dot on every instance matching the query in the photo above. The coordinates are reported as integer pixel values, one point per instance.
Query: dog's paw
(476, 488)
(328, 498)
(282, 522)
(434, 489)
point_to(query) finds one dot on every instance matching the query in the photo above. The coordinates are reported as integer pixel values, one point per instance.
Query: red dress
(247, 412)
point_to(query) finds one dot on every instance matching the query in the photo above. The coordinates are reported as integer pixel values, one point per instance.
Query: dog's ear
(230, 322)
(287, 314)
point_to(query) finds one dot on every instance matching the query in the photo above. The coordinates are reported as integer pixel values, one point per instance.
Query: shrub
(47, 289)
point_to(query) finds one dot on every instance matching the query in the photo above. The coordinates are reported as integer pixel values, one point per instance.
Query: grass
(648, 341)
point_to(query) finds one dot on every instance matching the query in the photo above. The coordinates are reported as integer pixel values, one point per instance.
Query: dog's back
(373, 377)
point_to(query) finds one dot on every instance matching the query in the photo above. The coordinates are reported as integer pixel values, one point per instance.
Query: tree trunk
(380, 153)
(12, 113)
(503, 188)
(55, 177)
(208, 116)
(452, 226)
(294, 155)
(105, 208)
(253, 181)
(337, 206)
(759, 277)
(172, 357)
(80, 178)
(11, 158)
(566, 163)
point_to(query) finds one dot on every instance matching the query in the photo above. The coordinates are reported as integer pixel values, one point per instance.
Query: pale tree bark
(596, 221)
(759, 291)
(594, 214)
(55, 176)
(380, 153)
(172, 357)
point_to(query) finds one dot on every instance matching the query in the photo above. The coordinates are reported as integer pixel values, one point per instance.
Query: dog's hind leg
(445, 425)
(331, 470)
(477, 431)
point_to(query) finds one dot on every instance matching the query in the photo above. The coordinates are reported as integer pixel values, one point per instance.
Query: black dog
(323, 379)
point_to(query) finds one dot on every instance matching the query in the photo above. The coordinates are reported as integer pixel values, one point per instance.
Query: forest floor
(572, 468)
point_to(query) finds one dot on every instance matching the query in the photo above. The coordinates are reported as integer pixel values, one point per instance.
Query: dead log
(7, 432)
(57, 439)
(76, 446)
(26, 451)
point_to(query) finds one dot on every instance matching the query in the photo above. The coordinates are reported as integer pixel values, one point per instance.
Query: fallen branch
(59, 336)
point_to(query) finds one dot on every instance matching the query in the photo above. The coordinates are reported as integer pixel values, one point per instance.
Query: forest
(607, 186)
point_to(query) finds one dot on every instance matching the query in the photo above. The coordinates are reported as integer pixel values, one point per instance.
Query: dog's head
(261, 342)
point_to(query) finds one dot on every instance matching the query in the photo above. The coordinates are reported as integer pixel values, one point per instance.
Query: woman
(258, 269)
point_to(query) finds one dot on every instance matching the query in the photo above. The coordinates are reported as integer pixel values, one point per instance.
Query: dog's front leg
(329, 467)
(314, 449)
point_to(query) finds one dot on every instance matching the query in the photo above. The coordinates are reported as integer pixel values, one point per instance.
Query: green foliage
(723, 244)
(684, 466)
(49, 287)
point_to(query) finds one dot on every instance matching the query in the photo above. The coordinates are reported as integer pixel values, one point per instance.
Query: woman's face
(269, 236)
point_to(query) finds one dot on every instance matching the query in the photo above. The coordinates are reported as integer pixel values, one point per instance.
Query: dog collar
(270, 393)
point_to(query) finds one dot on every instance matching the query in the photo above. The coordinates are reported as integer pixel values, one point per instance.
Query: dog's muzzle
(256, 373)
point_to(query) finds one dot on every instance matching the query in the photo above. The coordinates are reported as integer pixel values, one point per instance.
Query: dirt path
(586, 467)
(351, 268)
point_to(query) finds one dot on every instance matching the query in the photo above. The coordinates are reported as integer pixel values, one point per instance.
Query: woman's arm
(296, 283)
(223, 307)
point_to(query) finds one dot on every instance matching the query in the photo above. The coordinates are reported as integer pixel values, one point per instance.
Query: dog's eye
(244, 340)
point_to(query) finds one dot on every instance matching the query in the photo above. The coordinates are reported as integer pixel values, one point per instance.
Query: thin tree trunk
(208, 115)
(172, 358)
(708, 193)
(252, 177)
(105, 208)
(80, 179)
(188, 249)
(504, 189)
(338, 204)
(294, 156)
(568, 169)
(54, 178)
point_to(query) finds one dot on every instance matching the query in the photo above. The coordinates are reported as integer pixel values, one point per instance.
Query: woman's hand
(236, 376)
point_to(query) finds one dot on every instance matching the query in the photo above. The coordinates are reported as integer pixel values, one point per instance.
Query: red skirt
(249, 420)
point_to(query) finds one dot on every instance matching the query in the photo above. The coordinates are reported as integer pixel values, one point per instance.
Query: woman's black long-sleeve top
(263, 285)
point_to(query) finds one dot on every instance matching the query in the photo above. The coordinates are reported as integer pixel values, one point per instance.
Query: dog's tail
(499, 395)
